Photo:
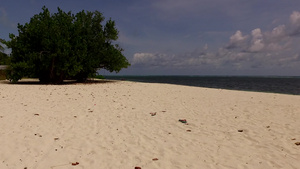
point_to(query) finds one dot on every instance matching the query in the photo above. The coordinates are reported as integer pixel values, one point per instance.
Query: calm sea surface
(285, 85)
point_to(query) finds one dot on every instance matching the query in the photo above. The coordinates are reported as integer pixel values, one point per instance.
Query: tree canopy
(59, 46)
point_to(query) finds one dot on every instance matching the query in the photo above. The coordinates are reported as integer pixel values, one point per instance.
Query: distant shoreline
(256, 76)
(269, 84)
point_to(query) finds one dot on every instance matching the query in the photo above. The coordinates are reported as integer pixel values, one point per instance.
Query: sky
(189, 37)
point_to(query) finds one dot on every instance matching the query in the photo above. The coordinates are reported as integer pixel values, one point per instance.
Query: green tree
(59, 46)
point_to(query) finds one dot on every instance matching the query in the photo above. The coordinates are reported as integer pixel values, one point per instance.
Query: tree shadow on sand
(65, 82)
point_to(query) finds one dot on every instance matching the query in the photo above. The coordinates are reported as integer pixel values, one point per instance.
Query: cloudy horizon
(195, 37)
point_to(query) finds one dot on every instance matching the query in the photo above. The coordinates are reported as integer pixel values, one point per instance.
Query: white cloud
(190, 59)
(276, 37)
(257, 41)
(295, 18)
(257, 50)
(295, 23)
(278, 32)
(143, 58)
(237, 40)
(280, 38)
(153, 60)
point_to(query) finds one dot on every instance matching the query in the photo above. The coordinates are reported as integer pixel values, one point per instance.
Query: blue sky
(189, 37)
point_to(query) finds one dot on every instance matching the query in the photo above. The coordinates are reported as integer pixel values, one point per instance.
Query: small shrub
(99, 77)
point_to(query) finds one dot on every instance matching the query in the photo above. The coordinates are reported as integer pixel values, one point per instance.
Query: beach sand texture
(125, 125)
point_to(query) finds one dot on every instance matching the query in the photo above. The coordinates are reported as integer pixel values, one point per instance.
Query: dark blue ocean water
(284, 85)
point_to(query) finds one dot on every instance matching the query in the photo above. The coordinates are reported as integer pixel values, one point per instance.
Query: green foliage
(54, 47)
(4, 59)
(99, 77)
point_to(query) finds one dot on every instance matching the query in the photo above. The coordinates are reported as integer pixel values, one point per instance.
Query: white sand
(109, 125)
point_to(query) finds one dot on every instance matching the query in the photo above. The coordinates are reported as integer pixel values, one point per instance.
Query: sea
(270, 84)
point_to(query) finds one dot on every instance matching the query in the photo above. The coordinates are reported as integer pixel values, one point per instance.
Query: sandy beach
(127, 125)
